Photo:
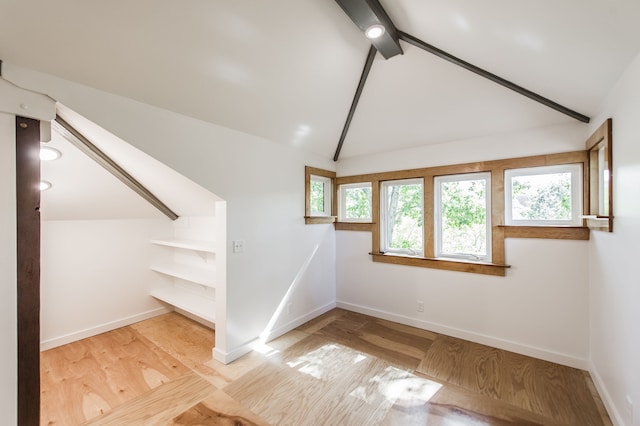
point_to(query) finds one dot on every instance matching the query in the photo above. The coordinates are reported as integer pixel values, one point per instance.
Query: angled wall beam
(354, 104)
(496, 79)
(93, 152)
(365, 13)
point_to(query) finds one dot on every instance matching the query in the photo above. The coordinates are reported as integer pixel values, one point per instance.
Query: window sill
(446, 264)
(312, 220)
(354, 226)
(549, 232)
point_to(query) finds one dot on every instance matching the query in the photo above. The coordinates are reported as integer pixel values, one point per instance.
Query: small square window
(544, 196)
(355, 202)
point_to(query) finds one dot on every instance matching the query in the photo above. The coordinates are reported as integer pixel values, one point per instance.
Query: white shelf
(192, 303)
(204, 246)
(191, 273)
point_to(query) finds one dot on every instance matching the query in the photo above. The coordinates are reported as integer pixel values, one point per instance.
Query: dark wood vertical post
(28, 251)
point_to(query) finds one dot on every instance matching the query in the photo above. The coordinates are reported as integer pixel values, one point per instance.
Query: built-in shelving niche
(187, 264)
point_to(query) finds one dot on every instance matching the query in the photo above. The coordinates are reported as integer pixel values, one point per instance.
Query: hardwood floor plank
(316, 379)
(353, 319)
(186, 340)
(83, 379)
(389, 349)
(454, 405)
(160, 405)
(218, 409)
(341, 368)
(548, 389)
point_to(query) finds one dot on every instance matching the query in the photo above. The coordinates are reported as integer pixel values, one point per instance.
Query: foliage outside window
(402, 217)
(462, 212)
(355, 202)
(544, 196)
(320, 196)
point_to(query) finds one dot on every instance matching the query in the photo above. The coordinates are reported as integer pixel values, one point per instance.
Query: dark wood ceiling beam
(354, 104)
(83, 144)
(365, 13)
(496, 79)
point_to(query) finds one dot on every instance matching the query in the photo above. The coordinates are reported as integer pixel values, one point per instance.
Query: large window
(444, 217)
(355, 202)
(402, 217)
(462, 209)
(544, 196)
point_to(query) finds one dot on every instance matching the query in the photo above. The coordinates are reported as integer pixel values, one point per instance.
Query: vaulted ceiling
(287, 70)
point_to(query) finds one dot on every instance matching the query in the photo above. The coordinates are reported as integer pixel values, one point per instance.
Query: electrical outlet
(288, 308)
(420, 306)
(238, 246)
(629, 402)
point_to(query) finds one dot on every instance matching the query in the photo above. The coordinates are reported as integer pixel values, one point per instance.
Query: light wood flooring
(341, 368)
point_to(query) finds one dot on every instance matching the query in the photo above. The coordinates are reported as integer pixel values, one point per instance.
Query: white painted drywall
(263, 184)
(95, 276)
(614, 260)
(8, 259)
(540, 308)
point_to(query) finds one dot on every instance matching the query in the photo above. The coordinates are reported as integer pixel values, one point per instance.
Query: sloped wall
(263, 184)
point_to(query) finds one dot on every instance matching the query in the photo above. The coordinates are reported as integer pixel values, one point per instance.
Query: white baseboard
(227, 357)
(557, 357)
(614, 414)
(102, 328)
(296, 322)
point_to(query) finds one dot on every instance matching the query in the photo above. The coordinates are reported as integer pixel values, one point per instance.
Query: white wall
(95, 276)
(263, 184)
(8, 259)
(540, 308)
(613, 260)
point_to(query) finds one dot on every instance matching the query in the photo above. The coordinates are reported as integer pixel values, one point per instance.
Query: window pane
(541, 197)
(463, 218)
(357, 202)
(317, 196)
(404, 218)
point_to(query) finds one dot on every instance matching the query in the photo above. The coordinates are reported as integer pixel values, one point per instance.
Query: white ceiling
(287, 70)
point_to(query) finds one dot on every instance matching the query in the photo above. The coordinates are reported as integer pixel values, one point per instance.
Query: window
(544, 196)
(401, 227)
(355, 202)
(462, 209)
(318, 189)
(320, 196)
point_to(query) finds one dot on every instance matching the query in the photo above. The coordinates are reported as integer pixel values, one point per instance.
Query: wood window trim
(354, 226)
(499, 232)
(309, 219)
(446, 264)
(601, 138)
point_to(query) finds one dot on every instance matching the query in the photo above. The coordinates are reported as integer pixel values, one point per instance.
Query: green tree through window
(403, 228)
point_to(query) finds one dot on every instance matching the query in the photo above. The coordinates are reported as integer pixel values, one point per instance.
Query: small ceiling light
(374, 31)
(44, 185)
(48, 154)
